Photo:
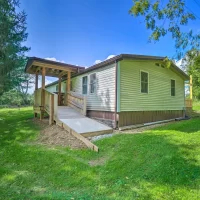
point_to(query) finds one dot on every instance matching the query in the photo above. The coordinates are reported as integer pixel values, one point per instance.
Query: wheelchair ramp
(73, 120)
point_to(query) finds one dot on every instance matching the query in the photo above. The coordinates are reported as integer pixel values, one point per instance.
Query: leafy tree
(24, 82)
(170, 17)
(191, 64)
(15, 98)
(12, 50)
(167, 18)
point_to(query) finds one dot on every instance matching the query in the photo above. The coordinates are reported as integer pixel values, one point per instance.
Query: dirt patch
(98, 162)
(54, 135)
(41, 123)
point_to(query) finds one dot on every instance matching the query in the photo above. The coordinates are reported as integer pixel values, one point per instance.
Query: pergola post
(68, 85)
(190, 86)
(36, 81)
(59, 91)
(36, 87)
(43, 93)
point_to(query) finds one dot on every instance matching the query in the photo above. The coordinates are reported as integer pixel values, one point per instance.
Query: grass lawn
(196, 105)
(163, 163)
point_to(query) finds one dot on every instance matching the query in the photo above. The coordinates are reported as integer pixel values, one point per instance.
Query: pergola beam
(45, 65)
(63, 73)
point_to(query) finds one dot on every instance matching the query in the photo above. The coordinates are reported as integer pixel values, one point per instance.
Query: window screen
(84, 85)
(172, 87)
(144, 82)
(92, 83)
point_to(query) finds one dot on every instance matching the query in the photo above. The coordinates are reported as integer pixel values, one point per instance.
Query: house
(125, 90)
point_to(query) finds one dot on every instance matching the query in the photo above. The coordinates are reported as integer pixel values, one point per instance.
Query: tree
(167, 18)
(12, 36)
(191, 64)
(24, 82)
(14, 98)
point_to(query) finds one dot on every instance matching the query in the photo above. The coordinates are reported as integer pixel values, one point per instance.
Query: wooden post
(68, 85)
(51, 112)
(59, 91)
(84, 106)
(36, 81)
(43, 77)
(43, 92)
(66, 95)
(35, 94)
(190, 86)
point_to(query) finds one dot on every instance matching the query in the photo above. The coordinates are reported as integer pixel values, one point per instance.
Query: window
(56, 88)
(84, 85)
(92, 83)
(173, 87)
(144, 82)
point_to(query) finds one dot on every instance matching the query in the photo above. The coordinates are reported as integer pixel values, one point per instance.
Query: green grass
(196, 105)
(163, 163)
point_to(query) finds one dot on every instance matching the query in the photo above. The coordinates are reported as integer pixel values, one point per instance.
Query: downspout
(115, 115)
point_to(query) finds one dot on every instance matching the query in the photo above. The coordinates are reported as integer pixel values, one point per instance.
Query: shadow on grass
(159, 164)
(185, 126)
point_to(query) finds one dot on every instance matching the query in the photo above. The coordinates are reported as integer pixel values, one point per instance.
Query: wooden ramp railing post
(51, 109)
(84, 105)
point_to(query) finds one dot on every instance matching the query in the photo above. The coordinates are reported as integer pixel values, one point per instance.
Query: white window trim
(171, 88)
(141, 82)
(90, 84)
(87, 85)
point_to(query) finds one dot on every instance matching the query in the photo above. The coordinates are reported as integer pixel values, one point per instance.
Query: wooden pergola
(45, 67)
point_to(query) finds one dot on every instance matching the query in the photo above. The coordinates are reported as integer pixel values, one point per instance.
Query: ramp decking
(81, 124)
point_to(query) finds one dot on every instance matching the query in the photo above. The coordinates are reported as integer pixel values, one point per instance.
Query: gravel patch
(99, 137)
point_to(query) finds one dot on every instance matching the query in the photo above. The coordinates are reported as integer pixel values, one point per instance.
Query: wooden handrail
(77, 101)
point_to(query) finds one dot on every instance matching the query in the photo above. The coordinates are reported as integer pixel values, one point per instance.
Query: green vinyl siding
(159, 87)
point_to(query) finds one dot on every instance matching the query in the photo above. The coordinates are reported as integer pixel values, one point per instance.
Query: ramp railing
(77, 101)
(37, 97)
(51, 105)
(188, 103)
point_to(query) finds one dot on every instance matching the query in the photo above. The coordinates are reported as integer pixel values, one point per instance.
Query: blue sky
(82, 31)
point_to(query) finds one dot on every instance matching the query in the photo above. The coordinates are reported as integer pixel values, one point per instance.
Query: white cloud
(54, 59)
(182, 64)
(187, 90)
(179, 62)
(98, 61)
(110, 56)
